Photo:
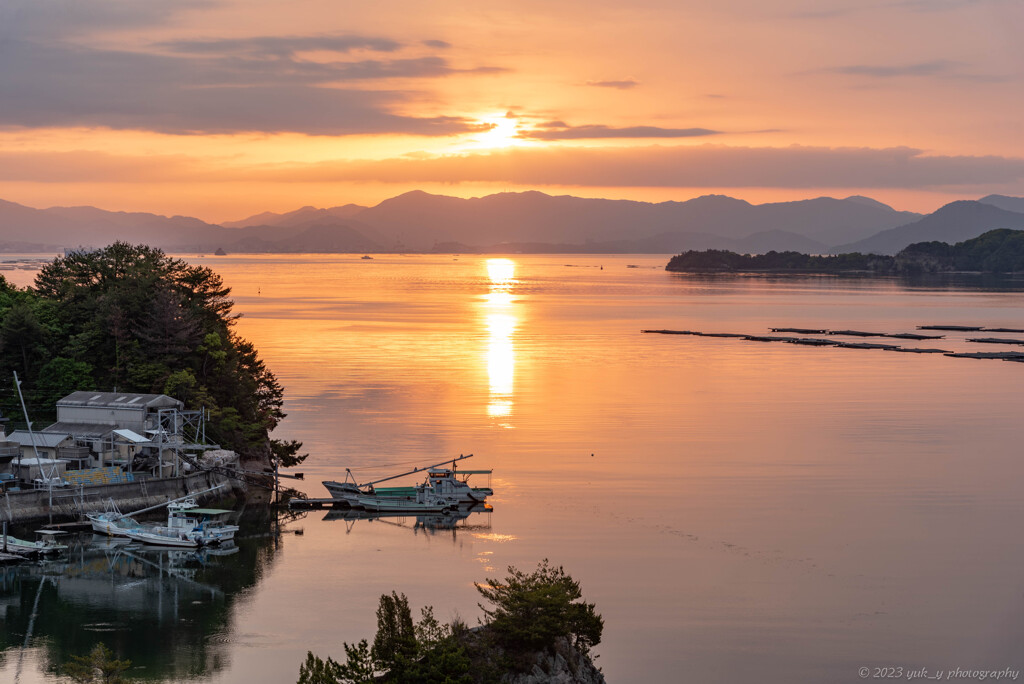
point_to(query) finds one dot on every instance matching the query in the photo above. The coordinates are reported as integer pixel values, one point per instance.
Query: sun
(504, 132)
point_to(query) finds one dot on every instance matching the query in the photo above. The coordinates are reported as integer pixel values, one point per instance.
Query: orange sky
(223, 108)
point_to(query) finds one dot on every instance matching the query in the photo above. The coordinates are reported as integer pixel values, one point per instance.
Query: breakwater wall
(70, 503)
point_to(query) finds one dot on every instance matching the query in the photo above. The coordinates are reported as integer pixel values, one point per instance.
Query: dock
(988, 355)
(315, 504)
(801, 331)
(855, 333)
(868, 345)
(995, 340)
(914, 336)
(803, 337)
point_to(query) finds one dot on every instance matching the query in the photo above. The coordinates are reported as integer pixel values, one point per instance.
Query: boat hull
(40, 547)
(157, 539)
(118, 527)
(395, 505)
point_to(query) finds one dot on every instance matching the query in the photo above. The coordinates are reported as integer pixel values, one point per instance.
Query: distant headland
(997, 251)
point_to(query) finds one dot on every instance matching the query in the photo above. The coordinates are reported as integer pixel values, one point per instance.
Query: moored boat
(160, 535)
(47, 543)
(111, 521)
(442, 489)
(187, 526)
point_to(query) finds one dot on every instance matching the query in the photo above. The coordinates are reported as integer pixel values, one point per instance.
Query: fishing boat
(444, 488)
(188, 526)
(47, 543)
(111, 521)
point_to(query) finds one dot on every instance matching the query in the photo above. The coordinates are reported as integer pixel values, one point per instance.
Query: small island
(997, 251)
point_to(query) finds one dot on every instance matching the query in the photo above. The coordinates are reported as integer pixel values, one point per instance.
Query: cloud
(939, 67)
(943, 5)
(280, 46)
(943, 69)
(703, 166)
(72, 167)
(920, 6)
(51, 19)
(619, 85)
(710, 166)
(440, 44)
(220, 86)
(557, 130)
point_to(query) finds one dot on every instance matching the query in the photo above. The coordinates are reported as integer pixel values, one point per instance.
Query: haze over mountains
(523, 222)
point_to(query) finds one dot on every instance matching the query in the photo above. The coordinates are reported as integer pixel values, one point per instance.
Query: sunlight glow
(501, 325)
(501, 355)
(501, 272)
(498, 300)
(504, 132)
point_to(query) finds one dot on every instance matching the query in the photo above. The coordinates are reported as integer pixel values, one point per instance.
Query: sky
(224, 108)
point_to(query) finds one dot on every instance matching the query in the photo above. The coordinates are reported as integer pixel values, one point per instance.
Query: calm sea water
(738, 511)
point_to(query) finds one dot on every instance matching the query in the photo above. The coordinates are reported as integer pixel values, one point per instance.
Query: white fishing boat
(444, 488)
(111, 521)
(47, 543)
(187, 526)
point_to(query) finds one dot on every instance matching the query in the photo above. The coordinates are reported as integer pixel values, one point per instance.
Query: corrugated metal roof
(82, 430)
(133, 437)
(118, 400)
(41, 439)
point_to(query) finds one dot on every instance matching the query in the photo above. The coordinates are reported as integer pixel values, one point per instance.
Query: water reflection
(501, 322)
(165, 610)
(464, 519)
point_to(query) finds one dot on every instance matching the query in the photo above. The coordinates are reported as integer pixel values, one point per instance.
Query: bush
(403, 652)
(99, 666)
(531, 611)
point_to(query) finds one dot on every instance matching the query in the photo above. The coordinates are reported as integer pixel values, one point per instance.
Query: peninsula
(997, 251)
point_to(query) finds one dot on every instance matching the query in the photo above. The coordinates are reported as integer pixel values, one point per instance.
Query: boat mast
(453, 461)
(180, 498)
(31, 435)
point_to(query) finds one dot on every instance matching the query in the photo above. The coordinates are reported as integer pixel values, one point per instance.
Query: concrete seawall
(69, 503)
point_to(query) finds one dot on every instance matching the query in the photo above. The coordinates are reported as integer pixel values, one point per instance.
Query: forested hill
(131, 319)
(997, 251)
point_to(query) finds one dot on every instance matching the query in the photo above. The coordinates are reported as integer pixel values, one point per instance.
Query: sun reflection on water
(501, 324)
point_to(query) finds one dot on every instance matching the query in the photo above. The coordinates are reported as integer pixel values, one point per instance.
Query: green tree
(404, 653)
(358, 667)
(316, 671)
(135, 320)
(99, 667)
(530, 611)
(59, 377)
(395, 642)
(23, 336)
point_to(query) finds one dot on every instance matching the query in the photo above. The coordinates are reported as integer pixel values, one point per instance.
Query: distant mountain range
(524, 222)
(955, 222)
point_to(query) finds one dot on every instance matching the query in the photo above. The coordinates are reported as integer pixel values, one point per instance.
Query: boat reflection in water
(464, 518)
(167, 610)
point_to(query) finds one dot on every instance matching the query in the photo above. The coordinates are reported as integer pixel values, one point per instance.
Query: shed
(42, 468)
(47, 444)
(135, 412)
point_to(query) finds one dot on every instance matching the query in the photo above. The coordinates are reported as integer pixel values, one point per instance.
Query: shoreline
(70, 503)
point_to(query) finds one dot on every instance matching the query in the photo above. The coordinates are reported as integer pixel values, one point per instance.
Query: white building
(113, 425)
